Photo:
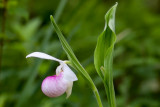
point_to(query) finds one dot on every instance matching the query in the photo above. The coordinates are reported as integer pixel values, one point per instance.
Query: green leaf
(105, 40)
(27, 31)
(103, 54)
(74, 61)
(69, 51)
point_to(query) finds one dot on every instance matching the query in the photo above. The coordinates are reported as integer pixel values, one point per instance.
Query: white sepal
(43, 56)
(69, 88)
(68, 73)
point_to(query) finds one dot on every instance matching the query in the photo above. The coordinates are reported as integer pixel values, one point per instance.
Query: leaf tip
(116, 4)
(51, 18)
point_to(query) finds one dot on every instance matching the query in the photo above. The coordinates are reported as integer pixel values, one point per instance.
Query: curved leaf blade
(103, 54)
(74, 61)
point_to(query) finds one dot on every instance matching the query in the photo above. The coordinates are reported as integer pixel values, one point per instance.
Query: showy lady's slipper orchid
(56, 85)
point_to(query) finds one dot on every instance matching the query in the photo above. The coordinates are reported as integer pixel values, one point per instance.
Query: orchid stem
(98, 98)
(76, 64)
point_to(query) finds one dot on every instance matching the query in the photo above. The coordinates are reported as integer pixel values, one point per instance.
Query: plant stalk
(80, 68)
(98, 98)
(76, 64)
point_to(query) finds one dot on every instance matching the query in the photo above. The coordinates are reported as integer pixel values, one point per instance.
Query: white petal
(69, 88)
(43, 56)
(68, 73)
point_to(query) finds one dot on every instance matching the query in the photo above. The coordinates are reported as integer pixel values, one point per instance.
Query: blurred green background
(28, 28)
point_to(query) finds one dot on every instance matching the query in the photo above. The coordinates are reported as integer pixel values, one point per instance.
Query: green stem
(113, 96)
(110, 95)
(108, 80)
(76, 64)
(80, 68)
(98, 98)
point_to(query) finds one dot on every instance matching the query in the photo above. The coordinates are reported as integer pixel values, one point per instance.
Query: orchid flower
(56, 85)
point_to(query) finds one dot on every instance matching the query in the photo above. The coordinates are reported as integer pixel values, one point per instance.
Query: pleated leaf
(105, 40)
(103, 54)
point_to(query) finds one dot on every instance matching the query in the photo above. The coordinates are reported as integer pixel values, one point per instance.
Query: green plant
(102, 57)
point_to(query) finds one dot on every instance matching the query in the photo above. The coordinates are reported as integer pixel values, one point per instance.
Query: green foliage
(136, 56)
(105, 43)
(104, 54)
(74, 61)
(26, 31)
